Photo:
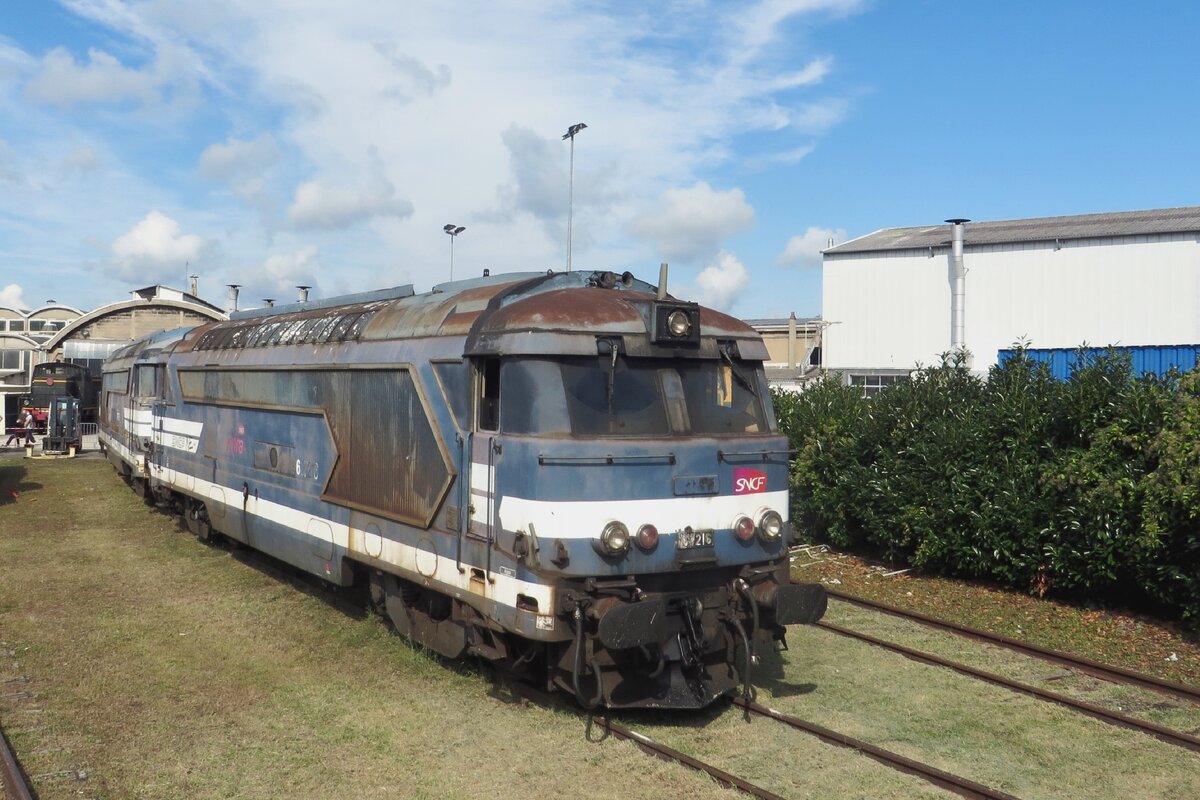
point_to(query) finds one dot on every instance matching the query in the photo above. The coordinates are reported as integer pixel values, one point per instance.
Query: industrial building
(23, 335)
(901, 297)
(793, 349)
(62, 333)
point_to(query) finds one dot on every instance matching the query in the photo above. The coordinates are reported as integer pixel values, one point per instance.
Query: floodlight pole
(452, 231)
(570, 134)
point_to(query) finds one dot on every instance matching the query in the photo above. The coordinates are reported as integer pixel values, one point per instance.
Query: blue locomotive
(574, 475)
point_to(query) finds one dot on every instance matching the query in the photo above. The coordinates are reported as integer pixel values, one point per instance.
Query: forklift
(62, 426)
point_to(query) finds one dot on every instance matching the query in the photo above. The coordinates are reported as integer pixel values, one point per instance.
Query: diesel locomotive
(59, 379)
(574, 475)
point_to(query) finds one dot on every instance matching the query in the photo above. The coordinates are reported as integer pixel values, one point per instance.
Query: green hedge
(1087, 488)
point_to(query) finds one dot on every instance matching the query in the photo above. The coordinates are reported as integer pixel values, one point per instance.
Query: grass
(164, 668)
(1007, 741)
(1133, 641)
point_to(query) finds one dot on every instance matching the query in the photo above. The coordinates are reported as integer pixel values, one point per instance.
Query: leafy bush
(1088, 487)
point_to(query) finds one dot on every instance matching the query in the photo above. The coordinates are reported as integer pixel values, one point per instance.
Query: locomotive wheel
(195, 518)
(422, 616)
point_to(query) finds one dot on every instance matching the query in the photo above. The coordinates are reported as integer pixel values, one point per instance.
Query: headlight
(615, 538)
(647, 537)
(743, 528)
(678, 323)
(770, 525)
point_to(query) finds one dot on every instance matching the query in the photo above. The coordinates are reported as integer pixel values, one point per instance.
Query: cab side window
(145, 382)
(489, 394)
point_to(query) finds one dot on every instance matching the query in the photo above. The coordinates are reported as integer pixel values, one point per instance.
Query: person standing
(29, 424)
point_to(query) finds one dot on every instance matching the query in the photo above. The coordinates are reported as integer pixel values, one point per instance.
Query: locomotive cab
(639, 470)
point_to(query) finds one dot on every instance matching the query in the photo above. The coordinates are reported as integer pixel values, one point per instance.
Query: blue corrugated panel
(1146, 359)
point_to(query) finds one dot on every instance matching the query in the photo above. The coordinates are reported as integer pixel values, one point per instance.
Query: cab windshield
(632, 397)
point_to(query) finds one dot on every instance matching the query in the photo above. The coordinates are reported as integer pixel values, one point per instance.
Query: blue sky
(288, 141)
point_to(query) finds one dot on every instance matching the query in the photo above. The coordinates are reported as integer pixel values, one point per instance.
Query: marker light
(647, 537)
(615, 538)
(678, 323)
(770, 525)
(743, 528)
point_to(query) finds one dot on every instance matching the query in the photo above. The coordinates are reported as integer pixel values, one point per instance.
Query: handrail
(723, 456)
(603, 460)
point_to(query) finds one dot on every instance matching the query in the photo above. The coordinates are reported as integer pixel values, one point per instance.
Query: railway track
(956, 784)
(945, 780)
(1098, 712)
(11, 776)
(1107, 672)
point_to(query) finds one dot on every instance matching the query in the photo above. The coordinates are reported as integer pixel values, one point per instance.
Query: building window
(12, 368)
(874, 384)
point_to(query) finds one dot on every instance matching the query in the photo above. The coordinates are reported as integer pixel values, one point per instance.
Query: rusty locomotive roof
(593, 303)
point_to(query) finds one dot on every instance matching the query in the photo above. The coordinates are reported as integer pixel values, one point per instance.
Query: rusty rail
(11, 777)
(1096, 669)
(945, 780)
(1099, 712)
(651, 747)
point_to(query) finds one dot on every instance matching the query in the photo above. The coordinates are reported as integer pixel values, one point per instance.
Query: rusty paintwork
(529, 303)
(434, 314)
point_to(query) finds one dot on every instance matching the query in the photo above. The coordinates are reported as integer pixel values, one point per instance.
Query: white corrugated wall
(891, 310)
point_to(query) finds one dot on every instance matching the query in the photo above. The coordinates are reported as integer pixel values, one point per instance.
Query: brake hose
(744, 589)
(748, 688)
(595, 701)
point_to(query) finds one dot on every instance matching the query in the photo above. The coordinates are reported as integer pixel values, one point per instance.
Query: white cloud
(538, 172)
(285, 271)
(154, 247)
(412, 77)
(818, 117)
(13, 60)
(236, 158)
(805, 250)
(12, 296)
(241, 164)
(720, 284)
(323, 204)
(759, 24)
(692, 223)
(63, 82)
(792, 156)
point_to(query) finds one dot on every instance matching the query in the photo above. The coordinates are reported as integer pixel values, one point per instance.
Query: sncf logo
(748, 481)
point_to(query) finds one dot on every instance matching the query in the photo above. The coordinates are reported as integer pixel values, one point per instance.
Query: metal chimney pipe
(662, 281)
(303, 293)
(958, 285)
(195, 286)
(792, 341)
(233, 297)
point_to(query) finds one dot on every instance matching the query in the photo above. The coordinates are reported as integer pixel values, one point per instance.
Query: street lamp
(570, 134)
(452, 230)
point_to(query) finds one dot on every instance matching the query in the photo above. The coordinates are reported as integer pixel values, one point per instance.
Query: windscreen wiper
(737, 371)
